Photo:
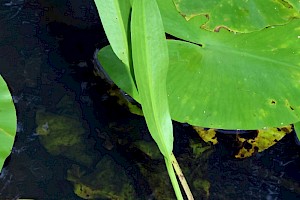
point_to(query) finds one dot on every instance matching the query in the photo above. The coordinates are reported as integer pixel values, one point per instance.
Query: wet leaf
(265, 139)
(208, 135)
(198, 148)
(202, 184)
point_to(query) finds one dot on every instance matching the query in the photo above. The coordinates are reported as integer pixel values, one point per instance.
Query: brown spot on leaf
(217, 29)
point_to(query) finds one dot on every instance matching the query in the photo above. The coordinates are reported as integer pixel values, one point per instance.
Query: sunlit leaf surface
(239, 15)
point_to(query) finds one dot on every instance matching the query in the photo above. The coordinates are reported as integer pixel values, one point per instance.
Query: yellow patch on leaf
(265, 139)
(208, 135)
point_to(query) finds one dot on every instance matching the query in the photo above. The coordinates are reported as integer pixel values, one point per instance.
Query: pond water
(75, 140)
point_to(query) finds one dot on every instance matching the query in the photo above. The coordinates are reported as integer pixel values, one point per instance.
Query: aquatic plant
(236, 66)
(8, 122)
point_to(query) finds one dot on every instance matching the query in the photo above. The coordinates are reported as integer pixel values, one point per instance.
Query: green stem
(173, 179)
(181, 178)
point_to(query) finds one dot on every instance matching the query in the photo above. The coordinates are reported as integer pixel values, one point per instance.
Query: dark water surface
(46, 55)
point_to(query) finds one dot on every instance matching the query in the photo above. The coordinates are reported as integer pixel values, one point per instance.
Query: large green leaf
(232, 81)
(237, 81)
(236, 76)
(151, 60)
(8, 122)
(239, 15)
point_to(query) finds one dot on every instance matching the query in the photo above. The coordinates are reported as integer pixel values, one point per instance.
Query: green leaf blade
(8, 122)
(117, 71)
(150, 58)
(115, 18)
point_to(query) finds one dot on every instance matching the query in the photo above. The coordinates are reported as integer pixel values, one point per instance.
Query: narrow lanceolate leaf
(150, 61)
(8, 122)
(115, 16)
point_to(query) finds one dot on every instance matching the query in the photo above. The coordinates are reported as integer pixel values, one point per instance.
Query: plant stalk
(181, 177)
(173, 179)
